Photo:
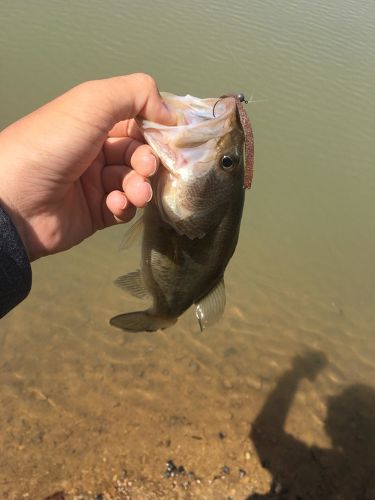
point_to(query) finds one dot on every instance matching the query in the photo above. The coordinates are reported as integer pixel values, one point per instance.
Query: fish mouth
(154, 137)
(169, 157)
(200, 125)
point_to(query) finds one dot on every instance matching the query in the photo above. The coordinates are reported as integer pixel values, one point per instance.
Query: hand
(79, 163)
(310, 364)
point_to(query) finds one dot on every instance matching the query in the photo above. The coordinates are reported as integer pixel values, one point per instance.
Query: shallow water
(86, 408)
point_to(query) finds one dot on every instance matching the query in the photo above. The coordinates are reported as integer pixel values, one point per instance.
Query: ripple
(78, 395)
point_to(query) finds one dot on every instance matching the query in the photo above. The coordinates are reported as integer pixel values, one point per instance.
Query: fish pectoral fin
(141, 321)
(211, 307)
(133, 283)
(132, 234)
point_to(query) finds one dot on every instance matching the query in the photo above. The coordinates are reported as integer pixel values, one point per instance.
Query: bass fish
(191, 226)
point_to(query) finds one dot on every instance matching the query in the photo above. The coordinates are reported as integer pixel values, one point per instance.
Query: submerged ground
(262, 403)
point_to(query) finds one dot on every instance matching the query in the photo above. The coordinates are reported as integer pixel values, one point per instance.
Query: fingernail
(150, 197)
(125, 203)
(154, 166)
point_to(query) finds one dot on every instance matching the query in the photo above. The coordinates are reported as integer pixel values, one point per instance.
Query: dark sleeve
(15, 269)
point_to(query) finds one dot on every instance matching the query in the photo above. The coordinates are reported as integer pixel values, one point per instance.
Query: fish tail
(141, 321)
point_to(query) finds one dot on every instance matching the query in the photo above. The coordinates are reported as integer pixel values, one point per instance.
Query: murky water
(283, 387)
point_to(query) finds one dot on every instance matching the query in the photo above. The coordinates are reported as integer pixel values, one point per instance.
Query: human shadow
(302, 472)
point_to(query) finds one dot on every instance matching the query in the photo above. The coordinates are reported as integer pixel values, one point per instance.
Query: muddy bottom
(153, 416)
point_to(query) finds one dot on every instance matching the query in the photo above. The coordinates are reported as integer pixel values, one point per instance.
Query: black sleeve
(15, 269)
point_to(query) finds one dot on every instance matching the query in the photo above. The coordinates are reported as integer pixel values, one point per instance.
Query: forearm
(273, 415)
(275, 411)
(15, 269)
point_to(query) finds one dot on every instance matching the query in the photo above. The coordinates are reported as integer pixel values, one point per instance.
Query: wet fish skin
(184, 257)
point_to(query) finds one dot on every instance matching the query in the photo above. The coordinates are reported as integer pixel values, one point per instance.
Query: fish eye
(227, 162)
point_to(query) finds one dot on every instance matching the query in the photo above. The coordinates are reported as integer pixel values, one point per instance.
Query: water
(82, 403)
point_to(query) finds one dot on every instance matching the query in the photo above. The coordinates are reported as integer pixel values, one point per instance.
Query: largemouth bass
(192, 224)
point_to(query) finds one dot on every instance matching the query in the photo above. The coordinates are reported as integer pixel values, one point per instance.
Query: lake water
(283, 387)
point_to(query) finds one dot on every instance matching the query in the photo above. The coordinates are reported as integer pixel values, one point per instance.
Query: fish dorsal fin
(132, 234)
(133, 283)
(211, 307)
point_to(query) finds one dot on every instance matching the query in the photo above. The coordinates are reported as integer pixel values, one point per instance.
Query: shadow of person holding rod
(301, 472)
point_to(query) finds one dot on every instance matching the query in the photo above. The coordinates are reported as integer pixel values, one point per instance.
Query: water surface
(287, 376)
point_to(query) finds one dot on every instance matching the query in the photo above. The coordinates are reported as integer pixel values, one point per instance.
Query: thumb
(123, 97)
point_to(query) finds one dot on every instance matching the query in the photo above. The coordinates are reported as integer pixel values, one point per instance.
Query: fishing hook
(239, 97)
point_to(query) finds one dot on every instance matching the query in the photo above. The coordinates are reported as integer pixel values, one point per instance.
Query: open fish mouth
(194, 138)
(200, 125)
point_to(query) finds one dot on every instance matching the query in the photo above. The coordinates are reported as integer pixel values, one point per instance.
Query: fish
(191, 226)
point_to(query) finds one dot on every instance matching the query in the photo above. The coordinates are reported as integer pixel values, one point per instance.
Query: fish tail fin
(141, 321)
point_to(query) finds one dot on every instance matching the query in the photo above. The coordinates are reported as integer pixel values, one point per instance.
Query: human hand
(310, 364)
(79, 163)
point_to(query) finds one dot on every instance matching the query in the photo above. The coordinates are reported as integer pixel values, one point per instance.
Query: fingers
(126, 128)
(117, 99)
(117, 208)
(135, 187)
(119, 150)
(123, 150)
(135, 95)
(128, 187)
